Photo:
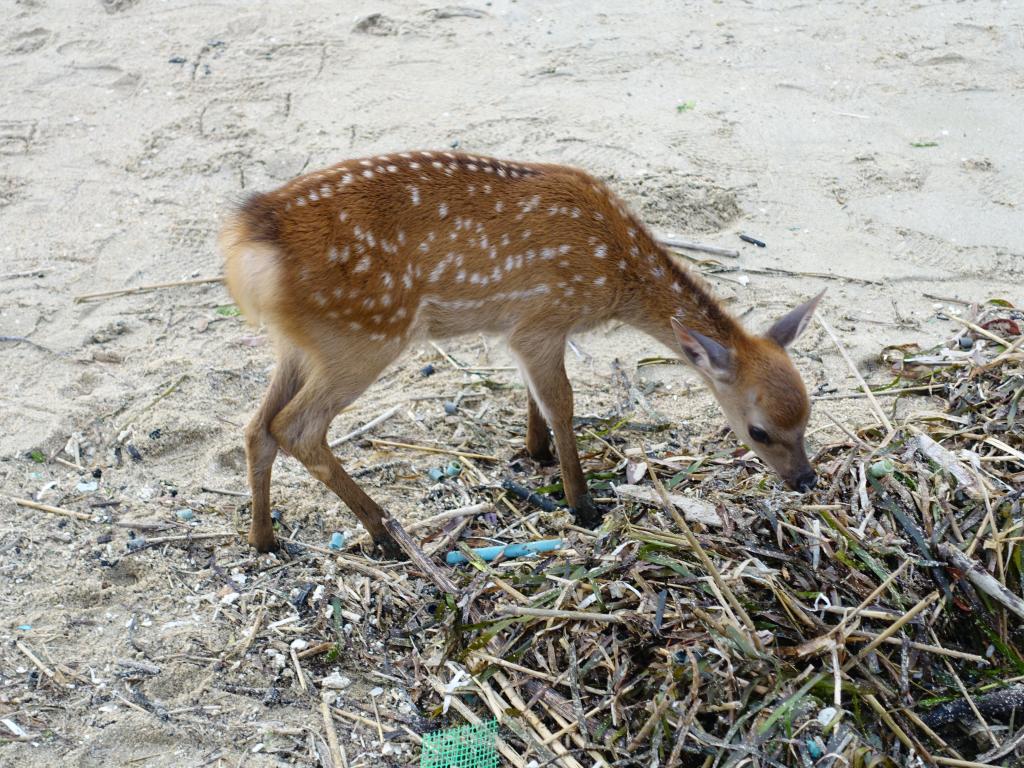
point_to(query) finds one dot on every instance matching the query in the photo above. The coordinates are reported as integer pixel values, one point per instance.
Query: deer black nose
(806, 481)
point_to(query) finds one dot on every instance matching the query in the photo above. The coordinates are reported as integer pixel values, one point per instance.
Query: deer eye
(759, 435)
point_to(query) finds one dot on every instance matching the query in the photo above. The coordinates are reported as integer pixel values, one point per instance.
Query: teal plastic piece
(511, 550)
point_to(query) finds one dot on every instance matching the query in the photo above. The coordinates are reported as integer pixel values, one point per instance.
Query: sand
(878, 143)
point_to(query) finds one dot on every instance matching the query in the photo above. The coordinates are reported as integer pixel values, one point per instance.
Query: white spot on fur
(600, 251)
(362, 265)
(414, 194)
(600, 280)
(442, 210)
(368, 173)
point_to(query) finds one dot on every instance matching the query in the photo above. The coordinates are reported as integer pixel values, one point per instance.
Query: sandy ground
(877, 141)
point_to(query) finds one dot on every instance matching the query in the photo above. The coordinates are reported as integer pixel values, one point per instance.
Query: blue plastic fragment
(24, 627)
(813, 749)
(184, 514)
(511, 550)
(337, 540)
(435, 473)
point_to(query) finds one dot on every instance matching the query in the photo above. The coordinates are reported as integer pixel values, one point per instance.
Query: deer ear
(706, 355)
(788, 327)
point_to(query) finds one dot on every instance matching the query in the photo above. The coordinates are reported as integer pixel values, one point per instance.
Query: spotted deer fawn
(349, 265)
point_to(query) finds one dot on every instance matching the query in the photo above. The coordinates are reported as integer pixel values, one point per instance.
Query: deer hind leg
(301, 429)
(538, 441)
(261, 447)
(543, 363)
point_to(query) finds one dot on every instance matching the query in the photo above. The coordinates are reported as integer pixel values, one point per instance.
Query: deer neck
(661, 289)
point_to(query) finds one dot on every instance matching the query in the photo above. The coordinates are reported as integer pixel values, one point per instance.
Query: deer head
(760, 390)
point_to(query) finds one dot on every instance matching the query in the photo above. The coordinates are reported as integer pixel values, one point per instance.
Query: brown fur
(348, 265)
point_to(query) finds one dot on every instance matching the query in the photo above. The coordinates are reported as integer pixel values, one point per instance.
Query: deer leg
(301, 429)
(538, 441)
(543, 362)
(261, 448)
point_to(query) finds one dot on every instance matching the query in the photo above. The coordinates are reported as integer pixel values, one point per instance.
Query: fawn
(349, 265)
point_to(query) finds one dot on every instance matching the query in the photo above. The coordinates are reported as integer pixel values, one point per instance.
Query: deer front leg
(543, 363)
(538, 441)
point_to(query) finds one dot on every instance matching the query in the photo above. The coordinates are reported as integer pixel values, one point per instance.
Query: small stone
(376, 692)
(184, 514)
(450, 408)
(336, 682)
(299, 645)
(87, 486)
(427, 370)
(826, 716)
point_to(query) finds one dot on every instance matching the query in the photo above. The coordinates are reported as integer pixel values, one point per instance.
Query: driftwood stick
(981, 578)
(432, 572)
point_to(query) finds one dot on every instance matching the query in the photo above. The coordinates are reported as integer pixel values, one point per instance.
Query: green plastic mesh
(468, 746)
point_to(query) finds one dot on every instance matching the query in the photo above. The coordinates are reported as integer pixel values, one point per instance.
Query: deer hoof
(587, 513)
(542, 456)
(262, 543)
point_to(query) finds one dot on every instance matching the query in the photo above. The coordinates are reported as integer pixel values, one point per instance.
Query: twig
(550, 613)
(145, 288)
(853, 368)
(891, 630)
(366, 427)
(779, 272)
(332, 735)
(695, 545)
(189, 537)
(894, 727)
(27, 273)
(428, 522)
(224, 491)
(677, 242)
(895, 391)
(34, 659)
(1006, 345)
(432, 449)
(51, 510)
